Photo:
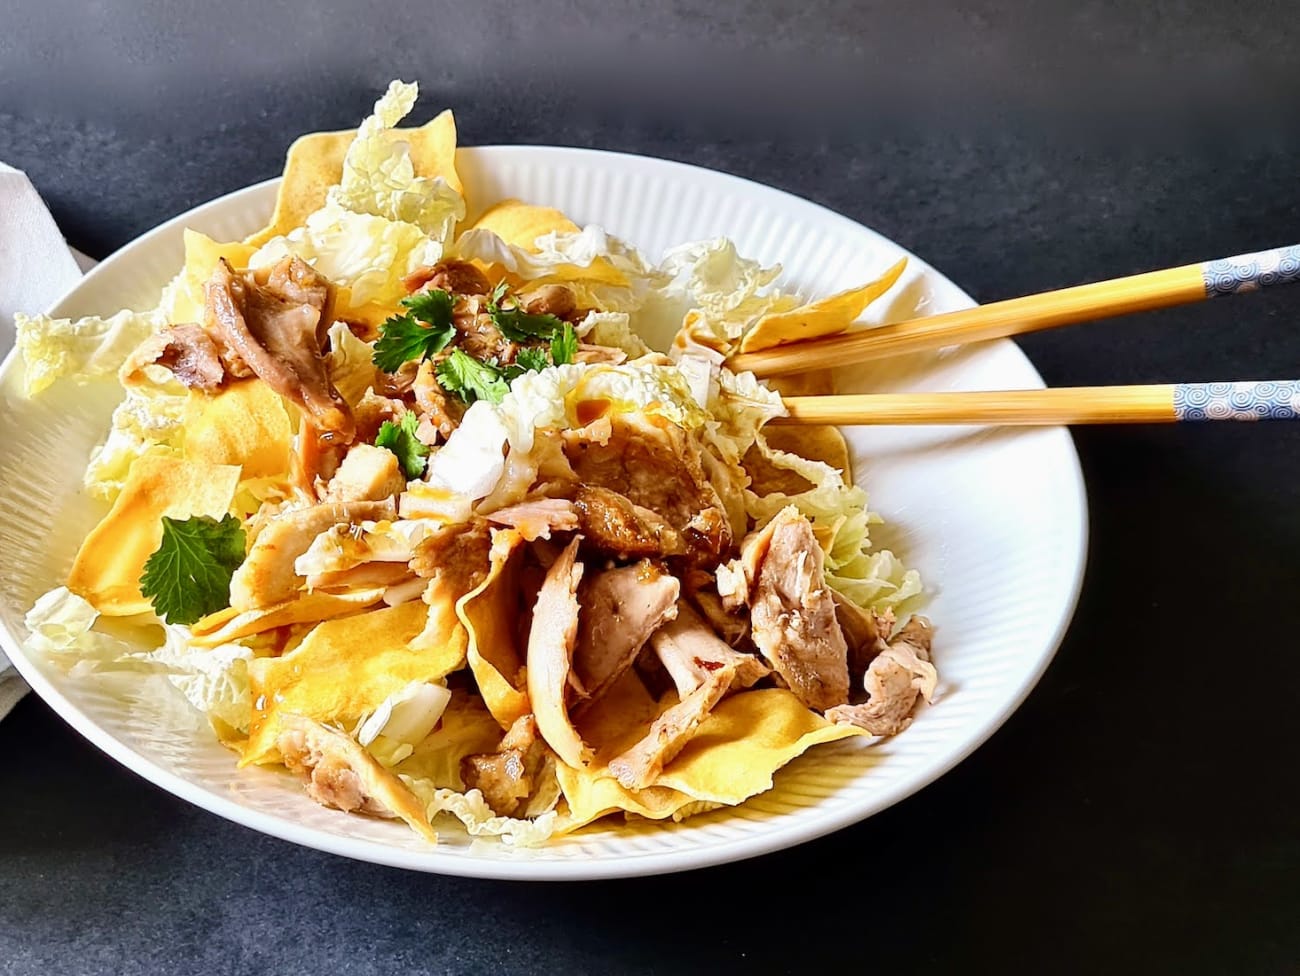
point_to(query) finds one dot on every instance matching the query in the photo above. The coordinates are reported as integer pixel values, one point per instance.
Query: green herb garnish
(423, 331)
(188, 576)
(401, 440)
(472, 379)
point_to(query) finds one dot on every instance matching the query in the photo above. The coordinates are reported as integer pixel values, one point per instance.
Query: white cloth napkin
(36, 268)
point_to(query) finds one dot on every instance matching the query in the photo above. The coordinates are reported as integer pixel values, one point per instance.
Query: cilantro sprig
(188, 576)
(479, 379)
(531, 359)
(516, 324)
(424, 330)
(564, 345)
(401, 440)
(472, 379)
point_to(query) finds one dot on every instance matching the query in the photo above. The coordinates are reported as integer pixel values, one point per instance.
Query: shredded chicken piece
(701, 589)
(704, 669)
(508, 777)
(367, 473)
(550, 656)
(432, 403)
(186, 350)
(865, 633)
(267, 575)
(456, 277)
(479, 336)
(588, 353)
(339, 773)
(458, 554)
(690, 652)
(792, 612)
(638, 767)
(372, 410)
(898, 679)
(314, 461)
(538, 519)
(614, 526)
(399, 383)
(621, 608)
(556, 300)
(276, 324)
(657, 468)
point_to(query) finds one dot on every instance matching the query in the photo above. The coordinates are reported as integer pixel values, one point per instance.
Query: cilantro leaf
(472, 379)
(401, 440)
(433, 306)
(532, 359)
(517, 325)
(188, 576)
(564, 346)
(424, 330)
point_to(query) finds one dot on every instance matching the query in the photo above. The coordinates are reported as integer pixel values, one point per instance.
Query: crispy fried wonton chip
(590, 795)
(732, 757)
(201, 256)
(315, 163)
(244, 424)
(490, 613)
(828, 316)
(109, 565)
(745, 740)
(344, 669)
(521, 224)
(229, 625)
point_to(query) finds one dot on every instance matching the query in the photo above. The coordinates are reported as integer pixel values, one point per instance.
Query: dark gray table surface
(1138, 813)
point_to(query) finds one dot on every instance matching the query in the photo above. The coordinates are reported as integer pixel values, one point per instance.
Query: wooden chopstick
(1155, 404)
(1082, 303)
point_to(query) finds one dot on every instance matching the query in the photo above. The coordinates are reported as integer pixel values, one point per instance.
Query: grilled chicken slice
(897, 680)
(339, 773)
(459, 554)
(638, 767)
(621, 608)
(275, 323)
(550, 656)
(701, 590)
(538, 519)
(691, 652)
(704, 669)
(267, 575)
(791, 609)
(614, 526)
(865, 634)
(657, 468)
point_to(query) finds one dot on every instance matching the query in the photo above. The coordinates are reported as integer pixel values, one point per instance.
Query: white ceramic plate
(994, 520)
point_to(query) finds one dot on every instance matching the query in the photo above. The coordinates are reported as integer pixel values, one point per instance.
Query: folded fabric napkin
(36, 268)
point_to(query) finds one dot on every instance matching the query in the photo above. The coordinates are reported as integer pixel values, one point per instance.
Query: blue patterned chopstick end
(1262, 400)
(1251, 272)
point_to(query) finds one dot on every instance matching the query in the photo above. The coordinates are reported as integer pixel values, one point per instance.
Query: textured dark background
(1138, 814)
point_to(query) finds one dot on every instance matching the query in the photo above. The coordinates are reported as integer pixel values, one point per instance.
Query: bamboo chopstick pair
(1165, 403)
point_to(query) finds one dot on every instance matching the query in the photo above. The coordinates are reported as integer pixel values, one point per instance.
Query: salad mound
(410, 507)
